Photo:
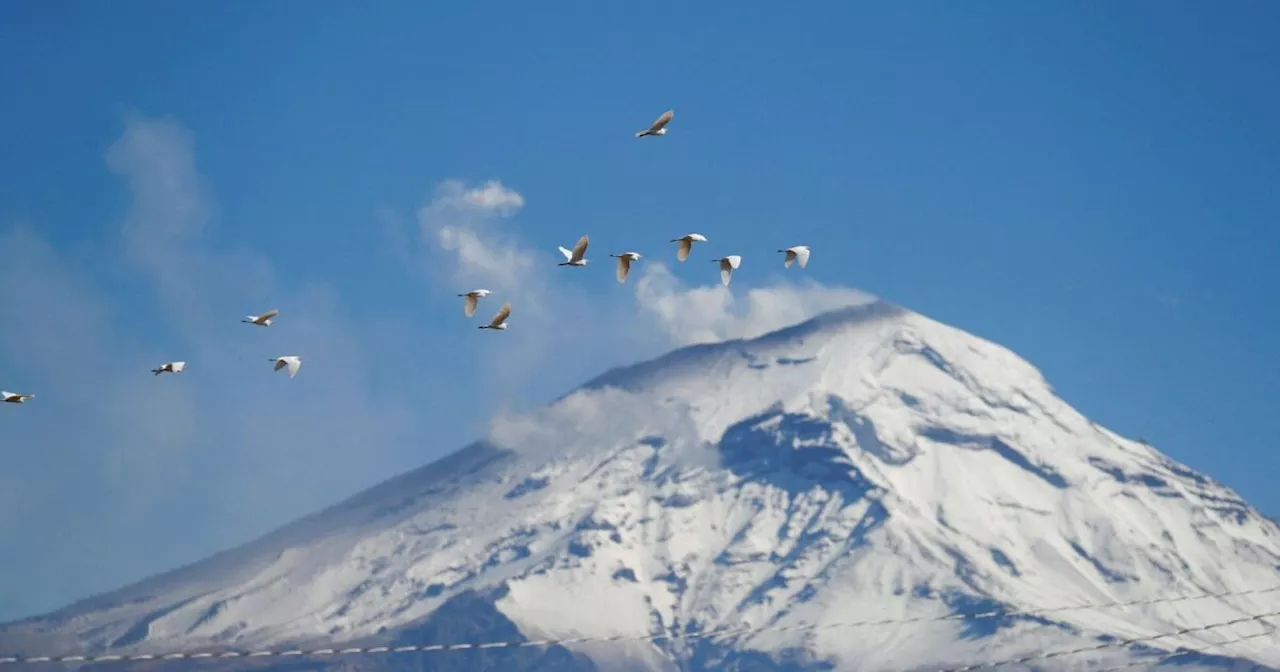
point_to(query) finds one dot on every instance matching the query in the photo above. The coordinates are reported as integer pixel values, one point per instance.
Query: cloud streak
(152, 472)
(564, 329)
(689, 315)
(462, 223)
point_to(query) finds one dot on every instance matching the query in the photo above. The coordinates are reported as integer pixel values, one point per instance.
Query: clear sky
(1093, 185)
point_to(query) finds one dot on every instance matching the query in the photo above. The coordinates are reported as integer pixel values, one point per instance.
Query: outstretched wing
(624, 267)
(472, 302)
(280, 364)
(802, 254)
(727, 265)
(663, 120)
(682, 253)
(294, 365)
(791, 257)
(580, 250)
(269, 314)
(568, 256)
(502, 314)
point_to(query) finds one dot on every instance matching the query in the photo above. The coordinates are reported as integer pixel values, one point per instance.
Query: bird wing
(734, 260)
(502, 314)
(624, 267)
(791, 256)
(580, 250)
(179, 366)
(663, 120)
(726, 271)
(294, 365)
(568, 256)
(280, 363)
(269, 314)
(802, 253)
(472, 302)
(682, 253)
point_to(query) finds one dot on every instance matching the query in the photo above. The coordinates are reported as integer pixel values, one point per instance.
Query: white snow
(857, 467)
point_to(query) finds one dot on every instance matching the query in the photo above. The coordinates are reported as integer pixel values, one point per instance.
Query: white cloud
(493, 197)
(569, 325)
(713, 313)
(460, 221)
(156, 472)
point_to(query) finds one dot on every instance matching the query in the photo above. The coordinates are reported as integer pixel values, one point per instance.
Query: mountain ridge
(868, 461)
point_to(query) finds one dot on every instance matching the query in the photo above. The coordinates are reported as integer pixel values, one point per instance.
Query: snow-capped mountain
(868, 464)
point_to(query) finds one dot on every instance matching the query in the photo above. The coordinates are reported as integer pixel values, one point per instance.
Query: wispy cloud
(688, 315)
(569, 324)
(461, 222)
(155, 472)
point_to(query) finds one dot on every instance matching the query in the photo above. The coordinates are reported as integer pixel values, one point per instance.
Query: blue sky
(1093, 185)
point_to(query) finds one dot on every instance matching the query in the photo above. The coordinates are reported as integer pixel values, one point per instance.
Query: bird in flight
(294, 363)
(624, 264)
(727, 266)
(686, 244)
(576, 257)
(499, 320)
(798, 253)
(659, 127)
(14, 397)
(171, 367)
(263, 320)
(473, 300)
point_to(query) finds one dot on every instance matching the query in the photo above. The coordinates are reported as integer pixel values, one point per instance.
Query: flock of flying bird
(575, 257)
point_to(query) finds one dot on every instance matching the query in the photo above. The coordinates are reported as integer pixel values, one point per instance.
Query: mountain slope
(867, 464)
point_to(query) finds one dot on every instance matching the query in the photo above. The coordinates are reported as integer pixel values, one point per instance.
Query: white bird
(473, 299)
(575, 258)
(294, 363)
(171, 367)
(499, 321)
(15, 398)
(263, 320)
(659, 127)
(624, 264)
(727, 266)
(798, 253)
(686, 244)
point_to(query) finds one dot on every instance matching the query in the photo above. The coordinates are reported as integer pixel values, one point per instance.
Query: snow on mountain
(867, 464)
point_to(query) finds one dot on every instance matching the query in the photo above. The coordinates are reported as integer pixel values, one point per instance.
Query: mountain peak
(868, 463)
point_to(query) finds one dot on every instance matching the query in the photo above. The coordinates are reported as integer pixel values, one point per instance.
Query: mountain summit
(867, 464)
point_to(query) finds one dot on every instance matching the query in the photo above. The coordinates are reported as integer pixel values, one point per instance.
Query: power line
(1182, 651)
(1109, 645)
(655, 637)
